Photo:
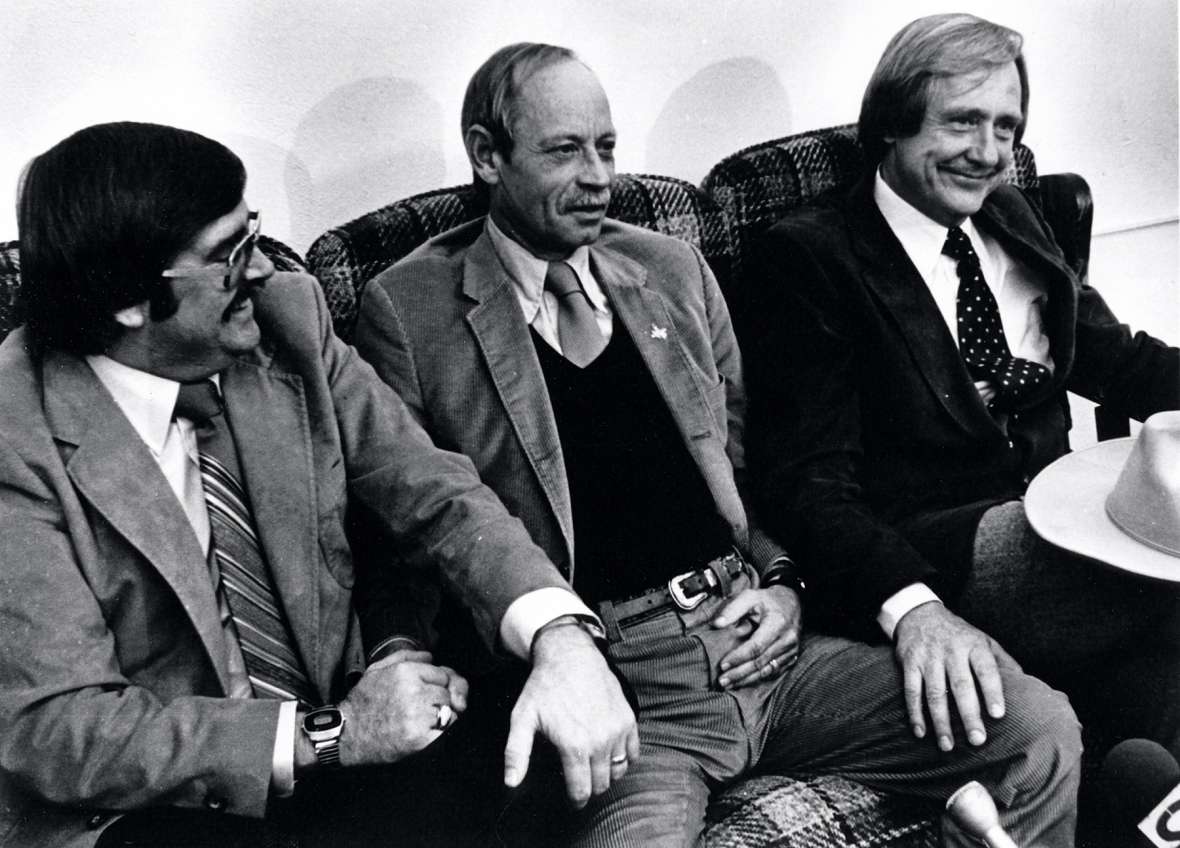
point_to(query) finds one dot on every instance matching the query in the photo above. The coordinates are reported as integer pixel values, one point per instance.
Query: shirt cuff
(390, 646)
(282, 768)
(532, 611)
(901, 602)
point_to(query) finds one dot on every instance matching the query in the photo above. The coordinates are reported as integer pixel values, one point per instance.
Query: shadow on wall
(269, 165)
(723, 108)
(366, 144)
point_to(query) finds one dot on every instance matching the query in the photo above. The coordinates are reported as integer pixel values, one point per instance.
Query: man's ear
(481, 151)
(133, 317)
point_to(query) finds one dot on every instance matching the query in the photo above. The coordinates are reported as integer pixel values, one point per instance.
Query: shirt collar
(146, 399)
(920, 236)
(527, 272)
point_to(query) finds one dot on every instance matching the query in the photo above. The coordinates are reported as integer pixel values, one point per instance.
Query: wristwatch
(785, 572)
(323, 727)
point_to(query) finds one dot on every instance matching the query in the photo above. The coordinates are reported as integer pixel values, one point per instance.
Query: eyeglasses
(234, 267)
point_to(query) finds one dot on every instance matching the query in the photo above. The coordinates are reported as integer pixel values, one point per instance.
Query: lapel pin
(660, 333)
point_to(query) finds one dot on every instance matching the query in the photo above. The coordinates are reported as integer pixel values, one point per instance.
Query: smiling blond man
(914, 341)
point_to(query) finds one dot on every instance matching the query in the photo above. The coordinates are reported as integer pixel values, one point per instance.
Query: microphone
(974, 811)
(1137, 773)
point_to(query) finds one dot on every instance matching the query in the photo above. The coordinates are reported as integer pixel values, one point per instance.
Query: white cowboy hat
(1117, 502)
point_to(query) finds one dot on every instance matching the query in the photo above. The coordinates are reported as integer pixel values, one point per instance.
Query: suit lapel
(645, 316)
(1061, 314)
(506, 344)
(280, 481)
(899, 288)
(115, 472)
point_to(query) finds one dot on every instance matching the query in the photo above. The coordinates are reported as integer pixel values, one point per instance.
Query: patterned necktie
(241, 579)
(577, 329)
(982, 342)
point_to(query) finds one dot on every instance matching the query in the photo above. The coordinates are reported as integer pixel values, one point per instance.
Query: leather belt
(684, 591)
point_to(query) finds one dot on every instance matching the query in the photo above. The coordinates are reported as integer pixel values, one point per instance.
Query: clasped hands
(394, 709)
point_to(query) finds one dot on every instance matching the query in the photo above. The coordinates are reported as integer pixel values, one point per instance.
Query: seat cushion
(817, 812)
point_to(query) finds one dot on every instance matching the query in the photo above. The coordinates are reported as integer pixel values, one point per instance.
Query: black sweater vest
(642, 511)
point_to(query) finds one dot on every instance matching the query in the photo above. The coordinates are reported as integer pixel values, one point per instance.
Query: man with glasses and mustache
(180, 441)
(910, 348)
(590, 371)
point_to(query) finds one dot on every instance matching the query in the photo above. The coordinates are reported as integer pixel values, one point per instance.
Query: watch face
(322, 722)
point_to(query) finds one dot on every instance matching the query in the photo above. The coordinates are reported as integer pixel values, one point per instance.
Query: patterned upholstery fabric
(816, 812)
(346, 257)
(760, 184)
(284, 258)
(9, 286)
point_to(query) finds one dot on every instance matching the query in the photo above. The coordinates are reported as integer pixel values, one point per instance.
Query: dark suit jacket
(874, 453)
(112, 679)
(445, 329)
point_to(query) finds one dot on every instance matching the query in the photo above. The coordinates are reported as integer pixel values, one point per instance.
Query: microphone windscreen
(1137, 774)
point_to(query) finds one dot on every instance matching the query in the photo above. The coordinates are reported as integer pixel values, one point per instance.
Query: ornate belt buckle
(680, 596)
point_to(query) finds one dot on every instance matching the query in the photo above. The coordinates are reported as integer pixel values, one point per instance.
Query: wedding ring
(774, 664)
(445, 716)
(619, 760)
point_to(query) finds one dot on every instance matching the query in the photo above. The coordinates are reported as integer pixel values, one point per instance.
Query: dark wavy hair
(103, 213)
(924, 51)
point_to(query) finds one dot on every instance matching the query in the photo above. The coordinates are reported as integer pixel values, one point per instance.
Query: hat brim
(1066, 506)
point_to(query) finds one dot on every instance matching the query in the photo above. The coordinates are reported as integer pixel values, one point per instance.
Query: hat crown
(1145, 502)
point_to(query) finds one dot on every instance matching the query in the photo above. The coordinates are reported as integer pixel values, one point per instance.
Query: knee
(1044, 737)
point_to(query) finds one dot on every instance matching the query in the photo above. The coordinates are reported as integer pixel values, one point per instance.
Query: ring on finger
(773, 664)
(445, 716)
(619, 760)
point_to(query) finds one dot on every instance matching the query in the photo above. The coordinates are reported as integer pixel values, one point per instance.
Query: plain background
(338, 108)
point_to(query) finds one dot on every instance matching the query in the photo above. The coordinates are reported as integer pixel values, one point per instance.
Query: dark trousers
(450, 794)
(1108, 639)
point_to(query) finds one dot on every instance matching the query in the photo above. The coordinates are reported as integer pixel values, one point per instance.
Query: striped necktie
(245, 592)
(982, 342)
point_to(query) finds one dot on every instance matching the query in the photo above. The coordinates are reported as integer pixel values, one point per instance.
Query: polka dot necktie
(982, 342)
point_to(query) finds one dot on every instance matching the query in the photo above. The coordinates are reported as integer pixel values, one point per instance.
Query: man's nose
(986, 149)
(260, 268)
(597, 170)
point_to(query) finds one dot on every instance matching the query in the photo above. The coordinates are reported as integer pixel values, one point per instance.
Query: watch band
(587, 623)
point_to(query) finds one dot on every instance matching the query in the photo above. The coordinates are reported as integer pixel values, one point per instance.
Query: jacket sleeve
(805, 439)
(431, 502)
(1132, 372)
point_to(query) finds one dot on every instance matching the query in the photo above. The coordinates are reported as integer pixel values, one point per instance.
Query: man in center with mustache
(590, 371)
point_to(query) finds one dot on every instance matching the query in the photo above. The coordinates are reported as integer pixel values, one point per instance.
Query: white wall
(338, 108)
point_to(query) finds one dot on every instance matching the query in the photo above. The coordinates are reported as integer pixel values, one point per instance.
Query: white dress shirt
(1019, 296)
(148, 400)
(532, 610)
